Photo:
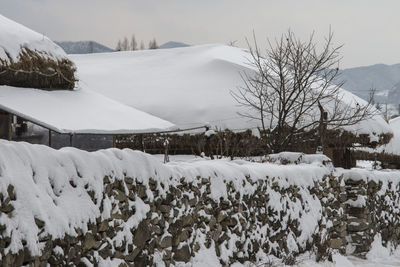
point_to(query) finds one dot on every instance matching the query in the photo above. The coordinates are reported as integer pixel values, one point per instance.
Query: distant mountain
(383, 78)
(172, 44)
(394, 94)
(84, 47)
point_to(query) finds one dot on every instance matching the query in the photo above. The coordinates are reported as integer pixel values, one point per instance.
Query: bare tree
(292, 91)
(119, 46)
(134, 45)
(142, 47)
(153, 44)
(125, 44)
(232, 43)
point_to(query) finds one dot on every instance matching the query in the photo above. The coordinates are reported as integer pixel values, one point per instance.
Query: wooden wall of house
(5, 124)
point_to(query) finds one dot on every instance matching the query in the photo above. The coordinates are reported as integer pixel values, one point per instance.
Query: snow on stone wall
(122, 206)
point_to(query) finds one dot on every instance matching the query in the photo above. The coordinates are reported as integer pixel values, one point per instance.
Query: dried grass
(37, 69)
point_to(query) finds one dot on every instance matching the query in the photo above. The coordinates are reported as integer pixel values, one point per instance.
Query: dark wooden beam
(114, 141)
(49, 138)
(10, 118)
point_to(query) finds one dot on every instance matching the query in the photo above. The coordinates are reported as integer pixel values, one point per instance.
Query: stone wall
(150, 221)
(372, 206)
(186, 219)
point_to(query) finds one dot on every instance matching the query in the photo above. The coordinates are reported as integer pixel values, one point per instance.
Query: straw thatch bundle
(37, 69)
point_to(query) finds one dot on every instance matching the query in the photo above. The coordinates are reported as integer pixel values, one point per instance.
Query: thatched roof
(29, 59)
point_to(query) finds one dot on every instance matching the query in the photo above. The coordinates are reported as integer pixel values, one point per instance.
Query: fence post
(166, 146)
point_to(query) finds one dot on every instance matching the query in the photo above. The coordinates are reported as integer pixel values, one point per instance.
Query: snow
(359, 202)
(15, 37)
(188, 86)
(209, 133)
(77, 111)
(393, 147)
(373, 126)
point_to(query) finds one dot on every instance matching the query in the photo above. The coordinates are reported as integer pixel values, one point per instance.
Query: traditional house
(37, 86)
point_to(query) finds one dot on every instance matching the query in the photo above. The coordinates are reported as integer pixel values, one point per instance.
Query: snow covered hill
(84, 47)
(172, 44)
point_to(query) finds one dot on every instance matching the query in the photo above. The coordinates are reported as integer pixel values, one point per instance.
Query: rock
(120, 196)
(196, 247)
(221, 217)
(133, 255)
(212, 223)
(357, 227)
(40, 224)
(142, 260)
(142, 234)
(187, 220)
(165, 209)
(141, 191)
(182, 254)
(6, 207)
(11, 193)
(106, 252)
(176, 227)
(336, 243)
(166, 242)
(89, 242)
(47, 249)
(103, 226)
(128, 180)
(184, 235)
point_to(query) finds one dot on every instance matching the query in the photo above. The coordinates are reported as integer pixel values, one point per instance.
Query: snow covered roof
(393, 147)
(188, 86)
(78, 111)
(14, 37)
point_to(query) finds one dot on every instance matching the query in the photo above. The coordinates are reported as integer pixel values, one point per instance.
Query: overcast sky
(369, 30)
